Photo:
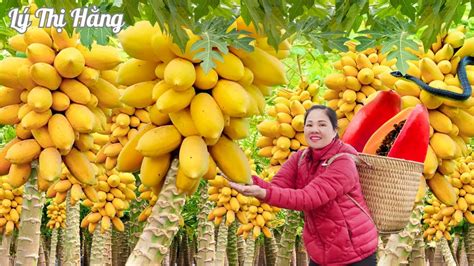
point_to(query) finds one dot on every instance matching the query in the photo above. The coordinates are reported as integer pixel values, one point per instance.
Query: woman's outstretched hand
(250, 190)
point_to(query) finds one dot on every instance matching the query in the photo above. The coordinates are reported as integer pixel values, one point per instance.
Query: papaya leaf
(396, 48)
(208, 54)
(100, 35)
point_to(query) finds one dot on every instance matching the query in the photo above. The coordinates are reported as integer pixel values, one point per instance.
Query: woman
(338, 229)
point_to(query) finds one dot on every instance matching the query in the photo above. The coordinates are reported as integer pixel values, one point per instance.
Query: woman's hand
(250, 190)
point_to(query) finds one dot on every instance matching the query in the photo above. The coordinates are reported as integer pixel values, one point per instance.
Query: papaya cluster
(254, 217)
(115, 190)
(437, 212)
(56, 213)
(148, 194)
(450, 120)
(55, 97)
(126, 121)
(10, 206)
(193, 113)
(283, 134)
(439, 219)
(67, 183)
(361, 74)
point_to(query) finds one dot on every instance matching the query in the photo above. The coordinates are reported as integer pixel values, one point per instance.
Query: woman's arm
(338, 179)
(285, 177)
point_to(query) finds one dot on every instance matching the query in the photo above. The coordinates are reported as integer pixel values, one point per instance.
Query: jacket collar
(328, 151)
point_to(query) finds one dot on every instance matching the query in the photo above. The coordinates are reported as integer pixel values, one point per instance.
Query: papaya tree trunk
(72, 243)
(270, 250)
(454, 246)
(398, 247)
(241, 249)
(288, 238)
(462, 255)
(250, 252)
(261, 254)
(184, 249)
(42, 255)
(301, 255)
(98, 248)
(120, 247)
(418, 256)
(469, 243)
(446, 251)
(162, 224)
(53, 247)
(206, 244)
(232, 255)
(5, 250)
(29, 231)
(221, 244)
(174, 251)
(108, 247)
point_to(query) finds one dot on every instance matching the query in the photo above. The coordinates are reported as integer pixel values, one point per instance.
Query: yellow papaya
(231, 67)
(154, 169)
(107, 94)
(80, 167)
(231, 160)
(76, 91)
(38, 52)
(18, 174)
(129, 159)
(80, 117)
(172, 101)
(8, 71)
(231, 97)
(100, 57)
(50, 164)
(193, 157)
(180, 74)
(61, 133)
(45, 75)
(136, 40)
(134, 71)
(159, 141)
(183, 121)
(207, 116)
(205, 81)
(139, 95)
(442, 189)
(40, 99)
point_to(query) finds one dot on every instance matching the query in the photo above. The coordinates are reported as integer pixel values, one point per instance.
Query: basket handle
(356, 159)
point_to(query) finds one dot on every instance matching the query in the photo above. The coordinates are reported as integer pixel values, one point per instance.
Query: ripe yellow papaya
(38, 52)
(159, 141)
(137, 40)
(134, 71)
(161, 44)
(154, 169)
(50, 164)
(61, 133)
(9, 96)
(100, 57)
(205, 81)
(231, 98)
(40, 99)
(45, 75)
(107, 94)
(172, 101)
(89, 76)
(23, 152)
(231, 160)
(81, 118)
(38, 35)
(183, 121)
(129, 159)
(69, 62)
(139, 95)
(180, 74)
(9, 114)
(62, 40)
(207, 116)
(194, 157)
(4, 163)
(238, 128)
(267, 69)
(185, 184)
(18, 174)
(442, 189)
(80, 167)
(8, 71)
(230, 68)
(17, 42)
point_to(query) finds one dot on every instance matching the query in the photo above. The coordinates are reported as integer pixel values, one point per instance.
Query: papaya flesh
(404, 136)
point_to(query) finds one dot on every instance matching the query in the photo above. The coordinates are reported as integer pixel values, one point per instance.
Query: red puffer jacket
(336, 231)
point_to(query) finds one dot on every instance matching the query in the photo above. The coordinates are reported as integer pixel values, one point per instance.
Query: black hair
(329, 112)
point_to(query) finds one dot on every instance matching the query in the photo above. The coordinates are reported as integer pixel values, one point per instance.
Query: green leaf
(100, 35)
(365, 43)
(208, 59)
(396, 48)
(203, 7)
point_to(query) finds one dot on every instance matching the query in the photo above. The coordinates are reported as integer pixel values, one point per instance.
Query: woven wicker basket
(389, 186)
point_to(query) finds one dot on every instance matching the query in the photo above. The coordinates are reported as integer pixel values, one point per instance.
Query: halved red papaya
(404, 136)
(370, 117)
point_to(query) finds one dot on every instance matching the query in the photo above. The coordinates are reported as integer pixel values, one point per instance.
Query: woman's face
(318, 130)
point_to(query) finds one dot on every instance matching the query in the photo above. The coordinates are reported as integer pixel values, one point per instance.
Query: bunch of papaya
(194, 113)
(56, 213)
(11, 200)
(282, 134)
(441, 80)
(439, 219)
(360, 75)
(55, 97)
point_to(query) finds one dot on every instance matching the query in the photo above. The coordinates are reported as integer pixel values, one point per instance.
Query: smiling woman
(323, 182)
